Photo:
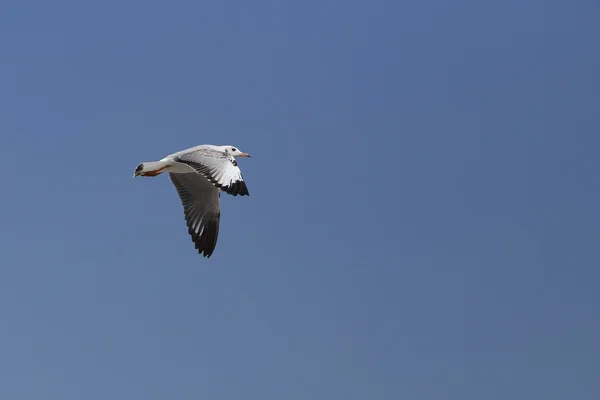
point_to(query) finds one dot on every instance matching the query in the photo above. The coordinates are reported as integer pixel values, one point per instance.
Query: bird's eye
(234, 149)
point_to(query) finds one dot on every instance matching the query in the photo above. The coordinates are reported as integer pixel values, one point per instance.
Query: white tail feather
(150, 168)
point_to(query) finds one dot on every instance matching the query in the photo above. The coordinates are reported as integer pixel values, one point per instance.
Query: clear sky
(423, 214)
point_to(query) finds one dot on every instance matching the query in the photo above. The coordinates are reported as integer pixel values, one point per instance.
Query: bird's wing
(219, 168)
(201, 207)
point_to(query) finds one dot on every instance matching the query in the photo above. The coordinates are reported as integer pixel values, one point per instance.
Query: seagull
(199, 174)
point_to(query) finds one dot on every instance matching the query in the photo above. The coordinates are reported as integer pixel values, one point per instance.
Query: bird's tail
(151, 168)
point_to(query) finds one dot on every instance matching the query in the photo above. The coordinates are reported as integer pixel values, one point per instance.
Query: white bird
(199, 174)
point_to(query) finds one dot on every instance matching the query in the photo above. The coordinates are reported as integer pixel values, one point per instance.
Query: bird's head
(235, 152)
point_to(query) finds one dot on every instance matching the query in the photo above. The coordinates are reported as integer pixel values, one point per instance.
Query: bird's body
(199, 174)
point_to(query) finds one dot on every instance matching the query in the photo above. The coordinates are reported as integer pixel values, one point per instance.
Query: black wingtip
(244, 189)
(206, 243)
(238, 187)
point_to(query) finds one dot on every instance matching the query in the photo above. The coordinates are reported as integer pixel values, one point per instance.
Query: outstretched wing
(202, 210)
(219, 168)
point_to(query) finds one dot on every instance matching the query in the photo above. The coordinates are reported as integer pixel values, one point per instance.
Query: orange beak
(245, 155)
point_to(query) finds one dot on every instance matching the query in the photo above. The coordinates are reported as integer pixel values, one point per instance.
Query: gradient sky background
(423, 220)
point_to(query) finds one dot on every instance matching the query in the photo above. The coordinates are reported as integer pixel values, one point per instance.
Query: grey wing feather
(219, 168)
(201, 208)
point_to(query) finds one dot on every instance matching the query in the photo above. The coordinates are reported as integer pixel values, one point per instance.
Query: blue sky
(423, 220)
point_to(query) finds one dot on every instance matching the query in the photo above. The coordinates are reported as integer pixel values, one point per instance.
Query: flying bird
(199, 174)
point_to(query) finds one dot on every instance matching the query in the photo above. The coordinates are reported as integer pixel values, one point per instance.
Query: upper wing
(202, 210)
(219, 168)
